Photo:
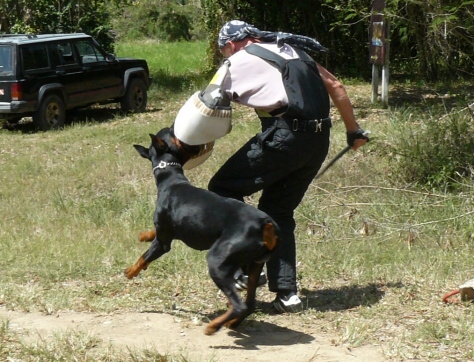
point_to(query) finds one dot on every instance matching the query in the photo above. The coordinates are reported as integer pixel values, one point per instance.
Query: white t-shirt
(253, 82)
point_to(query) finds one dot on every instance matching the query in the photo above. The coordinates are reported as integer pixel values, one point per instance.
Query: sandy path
(253, 341)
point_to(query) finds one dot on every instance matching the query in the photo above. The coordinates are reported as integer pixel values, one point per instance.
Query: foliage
(434, 37)
(435, 151)
(43, 16)
(430, 39)
(215, 14)
(165, 20)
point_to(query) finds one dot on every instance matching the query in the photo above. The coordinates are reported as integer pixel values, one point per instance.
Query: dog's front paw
(136, 268)
(131, 273)
(147, 235)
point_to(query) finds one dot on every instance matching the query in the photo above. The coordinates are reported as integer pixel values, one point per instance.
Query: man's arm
(341, 100)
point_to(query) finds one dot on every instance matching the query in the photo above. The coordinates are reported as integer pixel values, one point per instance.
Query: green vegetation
(376, 250)
(438, 151)
(171, 67)
(428, 39)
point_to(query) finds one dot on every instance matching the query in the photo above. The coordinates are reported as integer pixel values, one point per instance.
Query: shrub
(174, 27)
(439, 152)
(163, 20)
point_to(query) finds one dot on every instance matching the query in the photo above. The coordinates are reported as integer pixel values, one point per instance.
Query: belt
(300, 125)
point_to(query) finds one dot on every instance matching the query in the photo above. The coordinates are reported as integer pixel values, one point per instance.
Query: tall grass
(438, 150)
(375, 253)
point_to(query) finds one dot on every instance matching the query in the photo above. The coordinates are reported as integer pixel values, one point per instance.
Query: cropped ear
(158, 143)
(142, 151)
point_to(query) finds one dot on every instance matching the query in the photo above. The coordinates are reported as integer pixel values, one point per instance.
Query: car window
(6, 60)
(65, 53)
(34, 56)
(88, 52)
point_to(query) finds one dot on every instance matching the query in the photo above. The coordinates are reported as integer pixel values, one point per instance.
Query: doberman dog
(235, 234)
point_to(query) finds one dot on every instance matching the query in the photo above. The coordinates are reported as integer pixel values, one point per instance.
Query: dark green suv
(43, 76)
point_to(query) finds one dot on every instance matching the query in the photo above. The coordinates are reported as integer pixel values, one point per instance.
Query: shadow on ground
(455, 96)
(259, 333)
(346, 297)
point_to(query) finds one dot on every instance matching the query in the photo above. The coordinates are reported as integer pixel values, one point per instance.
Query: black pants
(282, 163)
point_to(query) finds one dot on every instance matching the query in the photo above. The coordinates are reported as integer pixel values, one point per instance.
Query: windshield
(6, 60)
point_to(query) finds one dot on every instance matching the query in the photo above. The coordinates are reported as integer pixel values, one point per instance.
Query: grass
(375, 253)
(173, 70)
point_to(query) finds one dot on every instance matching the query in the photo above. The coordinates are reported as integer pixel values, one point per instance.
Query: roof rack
(29, 36)
(24, 38)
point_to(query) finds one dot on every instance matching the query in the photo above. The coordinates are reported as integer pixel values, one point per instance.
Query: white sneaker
(241, 280)
(287, 302)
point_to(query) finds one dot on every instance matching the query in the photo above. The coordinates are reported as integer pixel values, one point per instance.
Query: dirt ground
(280, 339)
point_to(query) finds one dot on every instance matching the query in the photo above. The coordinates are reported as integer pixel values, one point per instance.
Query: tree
(431, 38)
(437, 36)
(60, 16)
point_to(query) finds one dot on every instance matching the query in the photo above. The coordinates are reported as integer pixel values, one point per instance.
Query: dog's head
(165, 142)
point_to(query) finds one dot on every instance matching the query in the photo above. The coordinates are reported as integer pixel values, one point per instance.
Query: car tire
(51, 113)
(135, 98)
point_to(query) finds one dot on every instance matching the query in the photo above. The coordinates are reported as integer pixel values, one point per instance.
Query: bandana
(237, 30)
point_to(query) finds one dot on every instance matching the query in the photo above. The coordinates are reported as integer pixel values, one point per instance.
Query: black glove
(360, 134)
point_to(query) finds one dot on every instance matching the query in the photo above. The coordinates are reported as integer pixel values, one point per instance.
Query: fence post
(378, 49)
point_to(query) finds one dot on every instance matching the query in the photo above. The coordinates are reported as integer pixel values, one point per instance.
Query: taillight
(15, 90)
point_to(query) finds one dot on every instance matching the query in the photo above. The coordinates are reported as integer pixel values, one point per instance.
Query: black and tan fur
(235, 234)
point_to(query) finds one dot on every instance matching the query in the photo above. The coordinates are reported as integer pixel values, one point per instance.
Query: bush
(40, 17)
(439, 152)
(174, 27)
(161, 20)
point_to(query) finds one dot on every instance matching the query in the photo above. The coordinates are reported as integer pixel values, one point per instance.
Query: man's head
(234, 30)
(234, 35)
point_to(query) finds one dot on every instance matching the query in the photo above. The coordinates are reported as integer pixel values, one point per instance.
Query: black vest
(307, 96)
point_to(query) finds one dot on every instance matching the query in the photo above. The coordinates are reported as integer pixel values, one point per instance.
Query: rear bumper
(15, 108)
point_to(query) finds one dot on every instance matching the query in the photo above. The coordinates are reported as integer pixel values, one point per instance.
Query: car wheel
(135, 98)
(51, 113)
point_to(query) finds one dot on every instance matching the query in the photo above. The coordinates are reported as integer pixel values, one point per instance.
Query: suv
(43, 76)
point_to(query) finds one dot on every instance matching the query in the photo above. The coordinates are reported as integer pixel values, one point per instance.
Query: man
(283, 159)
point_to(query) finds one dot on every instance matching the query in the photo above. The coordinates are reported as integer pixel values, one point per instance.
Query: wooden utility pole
(379, 49)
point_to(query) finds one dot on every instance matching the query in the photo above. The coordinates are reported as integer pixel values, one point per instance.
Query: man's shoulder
(284, 51)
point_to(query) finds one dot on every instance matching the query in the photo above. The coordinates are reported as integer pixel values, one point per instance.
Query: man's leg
(279, 201)
(283, 164)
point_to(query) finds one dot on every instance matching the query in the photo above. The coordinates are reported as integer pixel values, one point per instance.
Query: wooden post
(378, 49)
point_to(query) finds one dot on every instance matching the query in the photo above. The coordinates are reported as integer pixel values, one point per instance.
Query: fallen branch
(469, 108)
(443, 220)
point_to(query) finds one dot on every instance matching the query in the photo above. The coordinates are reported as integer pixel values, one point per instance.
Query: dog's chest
(190, 214)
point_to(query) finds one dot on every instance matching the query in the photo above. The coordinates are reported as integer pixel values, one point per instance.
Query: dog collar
(163, 164)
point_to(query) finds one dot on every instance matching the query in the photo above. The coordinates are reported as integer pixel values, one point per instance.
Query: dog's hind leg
(237, 308)
(254, 271)
(218, 322)
(223, 275)
(270, 241)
